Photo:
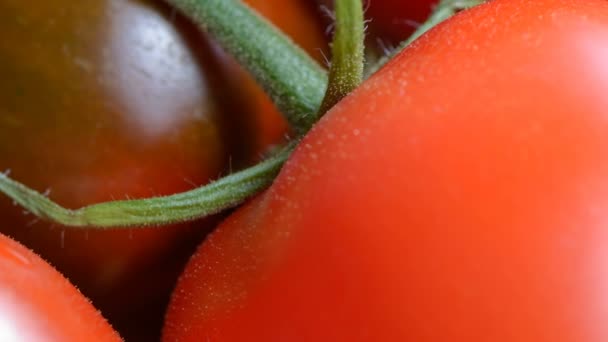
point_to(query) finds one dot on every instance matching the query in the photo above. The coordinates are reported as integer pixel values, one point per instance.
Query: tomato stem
(207, 200)
(443, 10)
(346, 71)
(294, 81)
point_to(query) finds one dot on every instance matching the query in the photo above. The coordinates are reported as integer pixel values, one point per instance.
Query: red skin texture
(460, 194)
(39, 304)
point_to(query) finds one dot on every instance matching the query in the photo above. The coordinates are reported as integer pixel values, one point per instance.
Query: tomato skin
(103, 100)
(38, 304)
(396, 20)
(109, 99)
(460, 194)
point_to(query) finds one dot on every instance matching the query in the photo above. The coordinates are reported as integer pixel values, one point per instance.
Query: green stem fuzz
(295, 82)
(346, 72)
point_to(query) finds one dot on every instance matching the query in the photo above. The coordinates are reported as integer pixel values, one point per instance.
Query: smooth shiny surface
(112, 99)
(459, 194)
(38, 304)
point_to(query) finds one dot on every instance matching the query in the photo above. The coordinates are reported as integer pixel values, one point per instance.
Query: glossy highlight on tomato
(460, 194)
(39, 304)
(112, 99)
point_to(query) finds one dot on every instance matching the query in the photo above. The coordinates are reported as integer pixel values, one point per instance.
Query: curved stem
(346, 72)
(210, 199)
(444, 10)
(294, 81)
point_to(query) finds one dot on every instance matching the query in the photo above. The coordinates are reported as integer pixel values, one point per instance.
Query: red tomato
(460, 194)
(396, 20)
(39, 304)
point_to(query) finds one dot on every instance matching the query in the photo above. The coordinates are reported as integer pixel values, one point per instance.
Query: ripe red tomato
(460, 194)
(39, 304)
(396, 20)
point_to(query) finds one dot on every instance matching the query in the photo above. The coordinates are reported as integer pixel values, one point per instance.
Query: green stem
(346, 72)
(210, 199)
(294, 81)
(444, 10)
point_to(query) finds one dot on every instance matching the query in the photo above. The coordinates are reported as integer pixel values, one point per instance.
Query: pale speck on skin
(18, 257)
(83, 64)
(356, 132)
(198, 113)
(412, 140)
(437, 109)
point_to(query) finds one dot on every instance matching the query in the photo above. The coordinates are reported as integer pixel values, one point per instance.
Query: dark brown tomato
(112, 99)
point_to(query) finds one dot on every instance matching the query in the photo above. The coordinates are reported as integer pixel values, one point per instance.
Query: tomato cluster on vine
(459, 193)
